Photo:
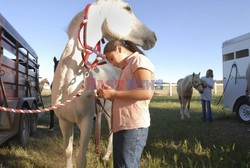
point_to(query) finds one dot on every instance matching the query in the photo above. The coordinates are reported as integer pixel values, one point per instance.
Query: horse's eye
(128, 8)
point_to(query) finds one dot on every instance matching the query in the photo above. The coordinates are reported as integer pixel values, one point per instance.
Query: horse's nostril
(201, 92)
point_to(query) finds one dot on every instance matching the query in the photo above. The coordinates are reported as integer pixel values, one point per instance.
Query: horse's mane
(44, 80)
(188, 76)
(73, 23)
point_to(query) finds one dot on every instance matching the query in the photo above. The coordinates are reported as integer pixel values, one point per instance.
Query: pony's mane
(73, 23)
(188, 76)
(44, 80)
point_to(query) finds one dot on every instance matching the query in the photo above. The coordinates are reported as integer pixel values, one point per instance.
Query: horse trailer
(236, 59)
(19, 72)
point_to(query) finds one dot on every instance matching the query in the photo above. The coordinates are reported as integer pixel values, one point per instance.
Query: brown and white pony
(110, 19)
(185, 90)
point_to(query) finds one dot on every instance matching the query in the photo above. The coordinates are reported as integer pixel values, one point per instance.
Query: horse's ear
(199, 73)
(193, 74)
(55, 60)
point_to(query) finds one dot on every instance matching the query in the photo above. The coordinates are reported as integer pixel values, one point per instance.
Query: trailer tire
(243, 111)
(24, 129)
(33, 121)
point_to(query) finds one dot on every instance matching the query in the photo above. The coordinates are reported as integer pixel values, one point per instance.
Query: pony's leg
(188, 108)
(110, 141)
(85, 126)
(98, 129)
(181, 109)
(68, 137)
(184, 107)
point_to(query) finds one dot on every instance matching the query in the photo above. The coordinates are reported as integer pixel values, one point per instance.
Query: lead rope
(79, 93)
(233, 66)
(57, 106)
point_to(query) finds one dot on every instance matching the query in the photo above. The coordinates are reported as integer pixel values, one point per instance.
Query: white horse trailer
(235, 63)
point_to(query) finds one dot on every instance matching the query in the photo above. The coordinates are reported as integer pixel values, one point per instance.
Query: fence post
(170, 89)
(215, 88)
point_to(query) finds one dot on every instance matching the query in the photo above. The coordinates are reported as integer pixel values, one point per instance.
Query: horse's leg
(110, 141)
(68, 136)
(188, 107)
(98, 128)
(182, 107)
(51, 123)
(85, 126)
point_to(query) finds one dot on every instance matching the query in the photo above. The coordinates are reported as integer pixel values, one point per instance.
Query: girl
(206, 96)
(130, 116)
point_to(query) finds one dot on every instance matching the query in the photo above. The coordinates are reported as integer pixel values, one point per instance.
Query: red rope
(79, 93)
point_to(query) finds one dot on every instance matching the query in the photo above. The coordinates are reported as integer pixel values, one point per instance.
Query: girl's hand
(105, 92)
(96, 92)
(204, 85)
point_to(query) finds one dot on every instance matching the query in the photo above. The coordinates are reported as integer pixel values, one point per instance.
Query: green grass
(172, 142)
(193, 143)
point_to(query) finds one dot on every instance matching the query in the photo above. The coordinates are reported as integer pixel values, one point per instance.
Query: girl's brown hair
(210, 73)
(111, 46)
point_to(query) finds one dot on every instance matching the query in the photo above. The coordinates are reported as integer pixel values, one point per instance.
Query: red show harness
(86, 52)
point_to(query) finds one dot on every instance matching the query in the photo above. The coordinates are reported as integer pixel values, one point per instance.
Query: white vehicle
(236, 60)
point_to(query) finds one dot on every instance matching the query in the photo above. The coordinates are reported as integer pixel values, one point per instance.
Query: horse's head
(196, 82)
(113, 19)
(121, 23)
(46, 81)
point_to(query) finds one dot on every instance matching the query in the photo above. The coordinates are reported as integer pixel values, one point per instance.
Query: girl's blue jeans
(206, 110)
(128, 146)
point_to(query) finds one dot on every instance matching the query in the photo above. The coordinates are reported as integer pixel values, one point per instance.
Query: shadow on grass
(221, 142)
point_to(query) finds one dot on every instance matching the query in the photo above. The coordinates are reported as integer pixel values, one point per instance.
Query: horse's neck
(43, 82)
(71, 56)
(188, 82)
(94, 24)
(107, 72)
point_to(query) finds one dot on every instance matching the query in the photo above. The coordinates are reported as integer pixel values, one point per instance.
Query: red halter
(88, 49)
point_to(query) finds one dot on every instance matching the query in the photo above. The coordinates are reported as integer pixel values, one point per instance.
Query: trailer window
(242, 53)
(229, 56)
(8, 54)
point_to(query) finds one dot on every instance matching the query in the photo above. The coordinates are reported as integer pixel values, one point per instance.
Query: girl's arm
(207, 84)
(142, 92)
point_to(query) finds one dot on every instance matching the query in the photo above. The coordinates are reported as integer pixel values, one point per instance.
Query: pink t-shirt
(126, 113)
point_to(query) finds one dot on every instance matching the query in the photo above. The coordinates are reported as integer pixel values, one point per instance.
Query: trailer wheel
(24, 129)
(243, 111)
(33, 121)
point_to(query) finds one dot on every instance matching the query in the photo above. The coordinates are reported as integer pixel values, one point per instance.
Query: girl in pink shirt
(130, 116)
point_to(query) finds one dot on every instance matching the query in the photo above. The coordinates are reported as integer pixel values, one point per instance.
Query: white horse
(42, 83)
(185, 91)
(111, 19)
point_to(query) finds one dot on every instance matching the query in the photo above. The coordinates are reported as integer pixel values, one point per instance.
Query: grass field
(172, 142)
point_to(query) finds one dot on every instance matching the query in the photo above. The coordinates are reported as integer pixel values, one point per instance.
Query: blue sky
(189, 32)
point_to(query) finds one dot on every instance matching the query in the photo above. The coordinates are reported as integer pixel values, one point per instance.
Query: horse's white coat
(185, 91)
(105, 20)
